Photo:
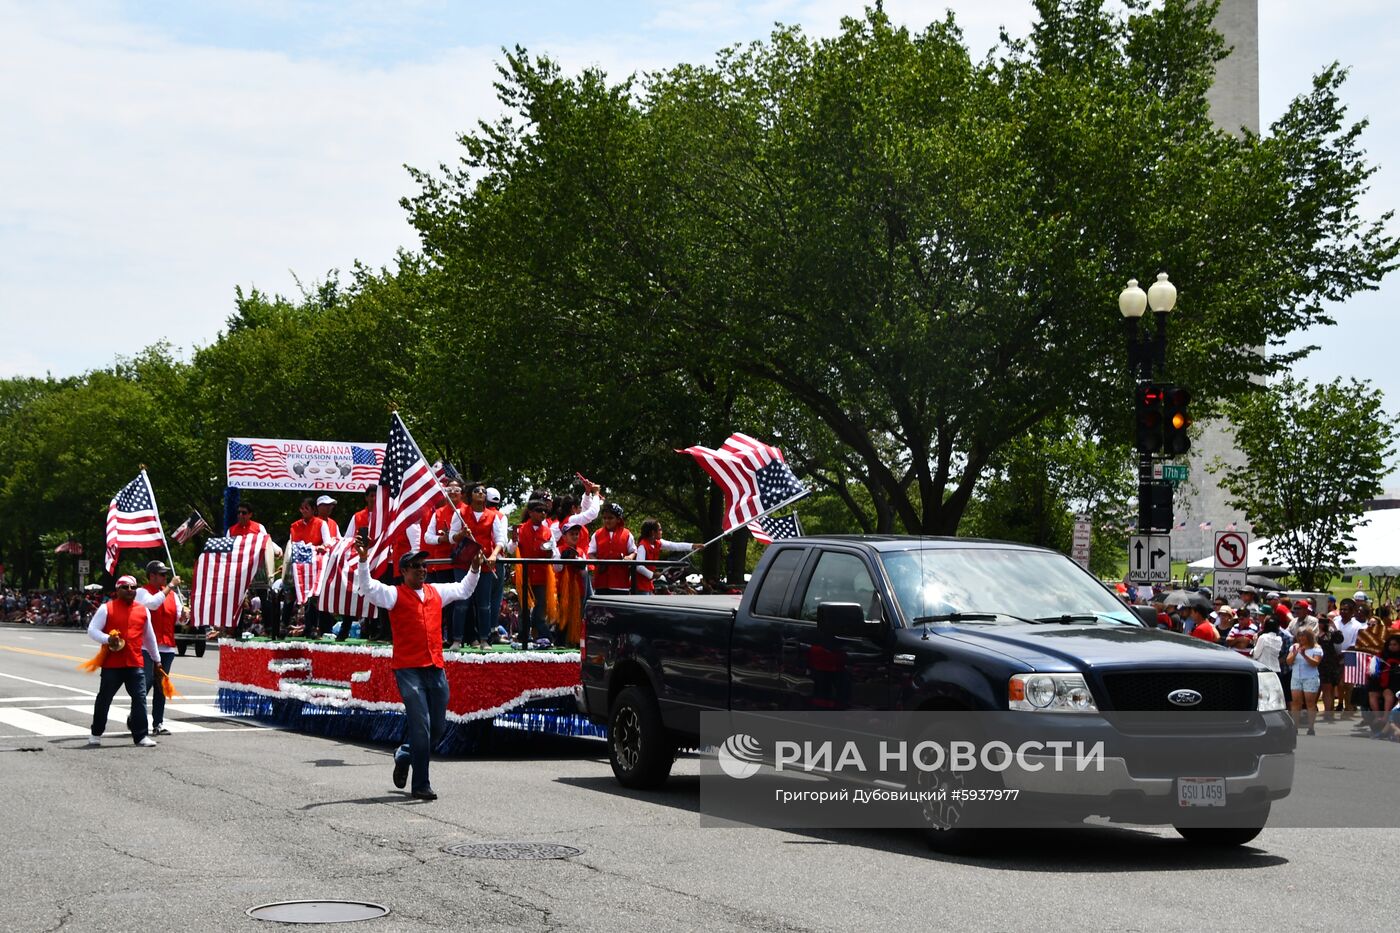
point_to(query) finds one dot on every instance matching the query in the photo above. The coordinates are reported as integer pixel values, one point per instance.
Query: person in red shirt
(415, 614)
(124, 626)
(246, 526)
(438, 546)
(613, 542)
(535, 538)
(162, 601)
(325, 505)
(309, 529)
(1200, 625)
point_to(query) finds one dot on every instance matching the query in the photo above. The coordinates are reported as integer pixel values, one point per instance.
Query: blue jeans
(424, 692)
(498, 593)
(484, 604)
(167, 658)
(113, 679)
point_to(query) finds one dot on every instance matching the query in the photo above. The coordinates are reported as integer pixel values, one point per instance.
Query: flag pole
(169, 561)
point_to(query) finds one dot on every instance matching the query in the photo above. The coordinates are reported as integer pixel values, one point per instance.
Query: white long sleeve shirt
(588, 508)
(98, 633)
(153, 601)
(387, 597)
(498, 527)
(667, 547)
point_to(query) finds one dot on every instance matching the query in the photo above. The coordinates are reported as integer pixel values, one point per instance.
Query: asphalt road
(224, 816)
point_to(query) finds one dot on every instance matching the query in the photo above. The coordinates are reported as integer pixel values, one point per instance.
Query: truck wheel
(1222, 837)
(181, 646)
(199, 647)
(639, 747)
(949, 826)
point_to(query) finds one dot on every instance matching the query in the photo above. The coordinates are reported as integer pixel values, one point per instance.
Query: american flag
(365, 463)
(1358, 667)
(407, 488)
(769, 529)
(753, 476)
(189, 528)
(255, 461)
(307, 562)
(221, 577)
(132, 521)
(445, 472)
(335, 591)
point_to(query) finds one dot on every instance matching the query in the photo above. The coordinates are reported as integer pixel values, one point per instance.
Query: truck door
(835, 673)
(756, 649)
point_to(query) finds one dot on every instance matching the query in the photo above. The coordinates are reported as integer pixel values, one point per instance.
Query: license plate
(1200, 792)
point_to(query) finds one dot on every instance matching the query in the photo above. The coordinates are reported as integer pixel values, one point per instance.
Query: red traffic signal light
(1178, 420)
(1148, 412)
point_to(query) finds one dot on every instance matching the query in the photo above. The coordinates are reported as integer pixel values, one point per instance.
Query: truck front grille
(1147, 691)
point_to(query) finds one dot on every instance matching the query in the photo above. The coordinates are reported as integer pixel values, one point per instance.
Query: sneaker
(94, 741)
(1312, 732)
(160, 730)
(426, 793)
(146, 742)
(400, 772)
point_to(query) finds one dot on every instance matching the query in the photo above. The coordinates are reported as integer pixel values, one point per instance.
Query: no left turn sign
(1231, 550)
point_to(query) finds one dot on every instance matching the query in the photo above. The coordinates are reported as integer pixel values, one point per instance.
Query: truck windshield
(1028, 584)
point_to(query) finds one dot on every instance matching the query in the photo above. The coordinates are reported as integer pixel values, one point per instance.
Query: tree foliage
(1316, 454)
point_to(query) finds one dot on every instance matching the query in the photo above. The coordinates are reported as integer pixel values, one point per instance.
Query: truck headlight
(1271, 692)
(1059, 693)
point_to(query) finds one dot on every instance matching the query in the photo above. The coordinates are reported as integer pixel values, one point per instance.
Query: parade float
(348, 690)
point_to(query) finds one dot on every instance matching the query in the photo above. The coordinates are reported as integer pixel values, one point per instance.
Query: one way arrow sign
(1150, 558)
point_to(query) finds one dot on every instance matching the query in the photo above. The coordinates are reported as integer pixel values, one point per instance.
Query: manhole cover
(513, 850)
(318, 911)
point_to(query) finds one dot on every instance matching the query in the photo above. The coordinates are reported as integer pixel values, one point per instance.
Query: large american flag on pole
(335, 591)
(132, 521)
(407, 488)
(752, 475)
(307, 562)
(221, 577)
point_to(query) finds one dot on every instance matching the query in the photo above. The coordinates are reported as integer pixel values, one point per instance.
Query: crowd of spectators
(68, 607)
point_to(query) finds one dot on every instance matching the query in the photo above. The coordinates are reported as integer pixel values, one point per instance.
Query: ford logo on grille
(1184, 698)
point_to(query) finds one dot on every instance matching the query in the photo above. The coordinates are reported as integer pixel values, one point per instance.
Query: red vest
(163, 619)
(362, 524)
(608, 546)
(651, 550)
(417, 628)
(335, 528)
(532, 542)
(443, 516)
(239, 529)
(481, 530)
(129, 620)
(307, 531)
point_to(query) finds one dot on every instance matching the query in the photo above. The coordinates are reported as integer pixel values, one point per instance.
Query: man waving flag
(132, 521)
(407, 488)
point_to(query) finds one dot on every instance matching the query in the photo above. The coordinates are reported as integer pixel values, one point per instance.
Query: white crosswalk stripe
(65, 719)
(39, 724)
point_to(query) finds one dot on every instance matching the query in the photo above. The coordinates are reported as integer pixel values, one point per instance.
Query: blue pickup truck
(947, 625)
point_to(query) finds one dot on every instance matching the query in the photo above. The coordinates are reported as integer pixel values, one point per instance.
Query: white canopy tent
(1376, 552)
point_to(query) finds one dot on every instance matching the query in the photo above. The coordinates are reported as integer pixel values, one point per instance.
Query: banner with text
(274, 463)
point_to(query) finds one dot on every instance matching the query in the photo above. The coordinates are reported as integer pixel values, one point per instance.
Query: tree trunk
(738, 556)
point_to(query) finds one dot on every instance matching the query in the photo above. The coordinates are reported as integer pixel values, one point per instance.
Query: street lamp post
(1148, 352)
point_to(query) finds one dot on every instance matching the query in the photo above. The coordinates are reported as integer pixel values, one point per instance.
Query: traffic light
(1154, 506)
(1177, 420)
(1149, 418)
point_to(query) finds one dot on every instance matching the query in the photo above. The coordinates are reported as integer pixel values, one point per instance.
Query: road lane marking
(39, 724)
(45, 683)
(174, 725)
(73, 657)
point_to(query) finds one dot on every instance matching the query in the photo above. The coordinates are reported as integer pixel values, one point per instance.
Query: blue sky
(160, 153)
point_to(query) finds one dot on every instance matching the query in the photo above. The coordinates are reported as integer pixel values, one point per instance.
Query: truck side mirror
(846, 620)
(1147, 614)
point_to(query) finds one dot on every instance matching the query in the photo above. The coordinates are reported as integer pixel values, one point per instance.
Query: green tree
(1305, 497)
(916, 250)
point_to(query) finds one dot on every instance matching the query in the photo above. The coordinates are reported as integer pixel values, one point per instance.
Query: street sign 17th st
(1150, 558)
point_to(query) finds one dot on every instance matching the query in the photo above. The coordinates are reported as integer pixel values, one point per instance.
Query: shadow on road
(402, 796)
(1073, 849)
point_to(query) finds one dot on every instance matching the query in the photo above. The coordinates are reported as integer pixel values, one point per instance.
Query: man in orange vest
(439, 547)
(162, 602)
(481, 521)
(124, 626)
(415, 615)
